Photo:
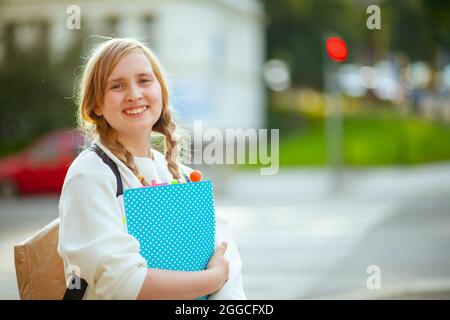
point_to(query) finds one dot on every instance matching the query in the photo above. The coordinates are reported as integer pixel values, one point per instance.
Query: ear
(98, 111)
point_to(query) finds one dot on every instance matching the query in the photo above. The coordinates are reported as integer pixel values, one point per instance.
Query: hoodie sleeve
(233, 289)
(93, 239)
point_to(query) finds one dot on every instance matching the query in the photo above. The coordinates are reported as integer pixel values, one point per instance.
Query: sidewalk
(391, 183)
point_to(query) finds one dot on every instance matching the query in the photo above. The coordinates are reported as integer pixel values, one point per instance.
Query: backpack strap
(75, 293)
(107, 160)
(78, 293)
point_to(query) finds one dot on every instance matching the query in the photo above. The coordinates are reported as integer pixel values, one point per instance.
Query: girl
(123, 98)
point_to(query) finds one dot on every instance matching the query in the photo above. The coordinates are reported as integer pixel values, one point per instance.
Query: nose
(134, 94)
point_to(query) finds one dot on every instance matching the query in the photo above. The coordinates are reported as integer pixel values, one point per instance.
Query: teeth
(135, 111)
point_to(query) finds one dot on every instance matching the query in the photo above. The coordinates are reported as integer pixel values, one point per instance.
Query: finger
(222, 248)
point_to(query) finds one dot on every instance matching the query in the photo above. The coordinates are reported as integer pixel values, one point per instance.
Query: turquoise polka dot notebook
(174, 224)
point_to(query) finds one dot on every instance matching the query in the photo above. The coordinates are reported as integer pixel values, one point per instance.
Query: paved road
(288, 250)
(301, 239)
(411, 248)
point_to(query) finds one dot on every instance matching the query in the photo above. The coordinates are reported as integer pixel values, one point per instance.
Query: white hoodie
(93, 237)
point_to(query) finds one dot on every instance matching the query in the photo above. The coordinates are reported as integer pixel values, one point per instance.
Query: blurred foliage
(35, 93)
(312, 105)
(415, 29)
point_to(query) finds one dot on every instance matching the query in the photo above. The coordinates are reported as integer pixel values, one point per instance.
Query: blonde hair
(91, 93)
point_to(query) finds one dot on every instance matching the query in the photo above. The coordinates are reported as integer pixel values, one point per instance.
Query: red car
(42, 166)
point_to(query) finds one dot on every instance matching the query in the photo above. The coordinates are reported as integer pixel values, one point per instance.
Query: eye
(117, 86)
(145, 81)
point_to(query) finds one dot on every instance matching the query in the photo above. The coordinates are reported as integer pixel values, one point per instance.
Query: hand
(219, 264)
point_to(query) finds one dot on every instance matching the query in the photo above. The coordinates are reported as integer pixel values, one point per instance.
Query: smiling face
(132, 99)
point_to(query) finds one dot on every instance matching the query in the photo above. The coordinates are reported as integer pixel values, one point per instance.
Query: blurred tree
(409, 30)
(295, 30)
(437, 13)
(419, 29)
(35, 93)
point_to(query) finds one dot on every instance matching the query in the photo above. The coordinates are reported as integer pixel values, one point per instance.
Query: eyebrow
(138, 75)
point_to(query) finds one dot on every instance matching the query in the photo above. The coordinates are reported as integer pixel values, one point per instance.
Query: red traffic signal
(336, 49)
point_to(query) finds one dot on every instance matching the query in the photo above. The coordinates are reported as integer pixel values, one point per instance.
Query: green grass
(304, 148)
(371, 141)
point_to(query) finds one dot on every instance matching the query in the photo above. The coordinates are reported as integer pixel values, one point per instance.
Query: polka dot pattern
(174, 224)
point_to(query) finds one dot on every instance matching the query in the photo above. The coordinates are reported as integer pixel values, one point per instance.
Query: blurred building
(213, 50)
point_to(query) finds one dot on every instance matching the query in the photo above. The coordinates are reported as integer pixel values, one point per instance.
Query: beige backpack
(39, 268)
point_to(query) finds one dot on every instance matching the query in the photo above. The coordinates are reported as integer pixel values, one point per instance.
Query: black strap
(114, 168)
(107, 160)
(75, 293)
(78, 293)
